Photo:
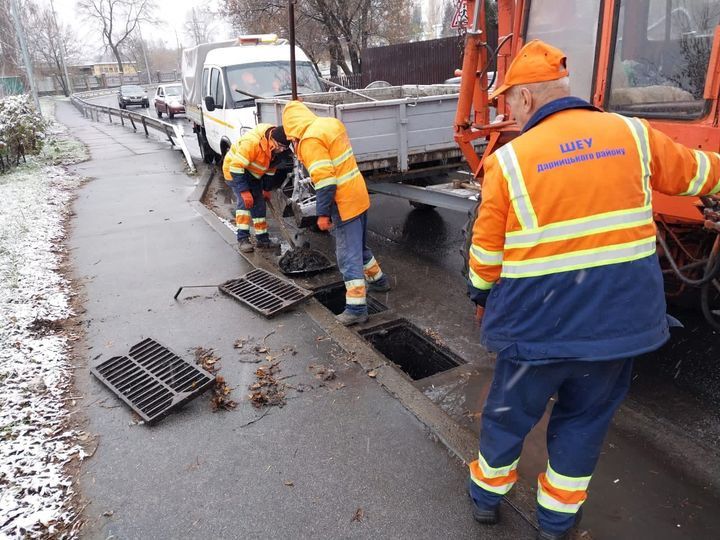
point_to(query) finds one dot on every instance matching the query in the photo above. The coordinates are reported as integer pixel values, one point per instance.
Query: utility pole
(293, 75)
(147, 64)
(63, 52)
(26, 55)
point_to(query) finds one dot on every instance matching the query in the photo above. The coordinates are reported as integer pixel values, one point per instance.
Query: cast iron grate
(152, 380)
(333, 298)
(265, 292)
(411, 350)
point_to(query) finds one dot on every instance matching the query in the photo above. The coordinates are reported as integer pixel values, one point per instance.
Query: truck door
(212, 119)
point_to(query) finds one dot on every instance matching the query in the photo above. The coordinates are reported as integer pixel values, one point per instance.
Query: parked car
(132, 94)
(168, 100)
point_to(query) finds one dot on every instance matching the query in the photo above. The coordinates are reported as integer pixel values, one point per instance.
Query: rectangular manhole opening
(333, 298)
(417, 354)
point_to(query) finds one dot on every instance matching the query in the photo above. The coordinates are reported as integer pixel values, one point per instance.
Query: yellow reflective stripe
(642, 141)
(332, 181)
(703, 171)
(354, 283)
(495, 472)
(355, 301)
(486, 257)
(259, 220)
(547, 501)
(577, 260)
(348, 176)
(575, 228)
(478, 282)
(370, 263)
(237, 170)
(516, 185)
(344, 156)
(500, 490)
(319, 163)
(568, 483)
(716, 189)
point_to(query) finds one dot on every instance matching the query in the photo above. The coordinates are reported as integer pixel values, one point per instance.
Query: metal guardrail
(94, 112)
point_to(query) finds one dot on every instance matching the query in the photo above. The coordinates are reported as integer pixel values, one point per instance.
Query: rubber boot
(381, 285)
(485, 516)
(245, 246)
(545, 535)
(268, 244)
(348, 318)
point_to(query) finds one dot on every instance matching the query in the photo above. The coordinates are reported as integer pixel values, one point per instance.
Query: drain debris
(267, 391)
(220, 399)
(303, 261)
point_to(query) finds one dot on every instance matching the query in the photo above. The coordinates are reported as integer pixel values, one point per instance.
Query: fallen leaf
(372, 373)
(109, 513)
(358, 515)
(289, 483)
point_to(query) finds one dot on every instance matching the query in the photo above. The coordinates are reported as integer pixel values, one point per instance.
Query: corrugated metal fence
(419, 62)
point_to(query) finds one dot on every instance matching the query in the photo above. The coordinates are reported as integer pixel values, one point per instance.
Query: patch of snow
(35, 371)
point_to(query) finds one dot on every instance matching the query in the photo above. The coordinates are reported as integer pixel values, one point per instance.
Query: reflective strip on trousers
(355, 293)
(260, 224)
(478, 282)
(483, 256)
(703, 171)
(498, 480)
(577, 260)
(642, 140)
(372, 270)
(516, 186)
(568, 483)
(559, 500)
(243, 219)
(575, 228)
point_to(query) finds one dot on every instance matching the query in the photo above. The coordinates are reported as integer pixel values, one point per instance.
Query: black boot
(486, 517)
(545, 535)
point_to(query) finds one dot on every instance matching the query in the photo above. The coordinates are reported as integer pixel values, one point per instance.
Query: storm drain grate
(333, 298)
(406, 346)
(152, 380)
(265, 292)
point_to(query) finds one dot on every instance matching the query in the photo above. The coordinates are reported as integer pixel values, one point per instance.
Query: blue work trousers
(355, 260)
(255, 217)
(588, 394)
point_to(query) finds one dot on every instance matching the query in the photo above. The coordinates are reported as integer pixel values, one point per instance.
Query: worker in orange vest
(564, 271)
(249, 168)
(342, 200)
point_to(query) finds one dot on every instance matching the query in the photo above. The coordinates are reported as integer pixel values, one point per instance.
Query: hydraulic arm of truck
(472, 120)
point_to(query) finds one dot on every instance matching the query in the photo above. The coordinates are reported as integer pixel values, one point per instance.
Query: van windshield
(172, 91)
(268, 79)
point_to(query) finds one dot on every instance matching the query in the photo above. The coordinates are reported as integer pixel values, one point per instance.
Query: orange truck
(654, 59)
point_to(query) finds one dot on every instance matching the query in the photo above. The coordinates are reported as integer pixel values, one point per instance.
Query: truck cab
(232, 77)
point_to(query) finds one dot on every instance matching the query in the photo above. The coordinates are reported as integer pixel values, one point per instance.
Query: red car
(168, 100)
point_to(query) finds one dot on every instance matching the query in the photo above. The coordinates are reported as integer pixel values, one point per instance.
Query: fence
(419, 62)
(134, 119)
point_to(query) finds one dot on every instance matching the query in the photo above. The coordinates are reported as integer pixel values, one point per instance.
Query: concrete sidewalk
(344, 446)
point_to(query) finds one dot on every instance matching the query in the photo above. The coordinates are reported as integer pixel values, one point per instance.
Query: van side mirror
(209, 103)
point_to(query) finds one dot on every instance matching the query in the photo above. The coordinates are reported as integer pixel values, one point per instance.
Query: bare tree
(9, 54)
(200, 25)
(340, 28)
(117, 19)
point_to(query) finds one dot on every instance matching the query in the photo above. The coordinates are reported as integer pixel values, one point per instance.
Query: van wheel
(207, 153)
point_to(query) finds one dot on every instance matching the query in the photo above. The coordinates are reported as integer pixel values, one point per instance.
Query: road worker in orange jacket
(249, 167)
(564, 264)
(323, 147)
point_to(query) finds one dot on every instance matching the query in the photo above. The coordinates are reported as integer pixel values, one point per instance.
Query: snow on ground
(35, 369)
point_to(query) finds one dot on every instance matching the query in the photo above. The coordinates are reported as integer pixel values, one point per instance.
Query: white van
(222, 80)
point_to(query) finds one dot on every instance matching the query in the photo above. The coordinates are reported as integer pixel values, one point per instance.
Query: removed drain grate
(152, 380)
(333, 298)
(265, 292)
(410, 349)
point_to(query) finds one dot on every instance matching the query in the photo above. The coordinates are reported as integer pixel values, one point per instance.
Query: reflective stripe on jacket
(566, 226)
(250, 153)
(325, 151)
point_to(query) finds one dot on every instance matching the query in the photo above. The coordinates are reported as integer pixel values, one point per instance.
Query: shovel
(286, 261)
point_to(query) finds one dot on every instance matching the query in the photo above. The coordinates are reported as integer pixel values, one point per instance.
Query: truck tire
(207, 153)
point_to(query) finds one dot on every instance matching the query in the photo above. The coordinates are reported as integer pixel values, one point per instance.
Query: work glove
(479, 312)
(324, 223)
(267, 195)
(247, 199)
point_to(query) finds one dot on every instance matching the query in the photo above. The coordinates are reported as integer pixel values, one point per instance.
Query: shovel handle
(283, 227)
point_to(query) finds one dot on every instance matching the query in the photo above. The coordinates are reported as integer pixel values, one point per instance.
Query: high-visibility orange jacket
(251, 153)
(324, 149)
(563, 247)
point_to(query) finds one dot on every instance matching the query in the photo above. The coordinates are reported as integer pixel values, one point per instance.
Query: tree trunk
(116, 53)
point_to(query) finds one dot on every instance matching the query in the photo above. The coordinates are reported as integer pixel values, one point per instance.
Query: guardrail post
(109, 116)
(167, 132)
(145, 126)
(132, 122)
(122, 120)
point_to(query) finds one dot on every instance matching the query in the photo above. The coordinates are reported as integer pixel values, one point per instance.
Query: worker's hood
(296, 119)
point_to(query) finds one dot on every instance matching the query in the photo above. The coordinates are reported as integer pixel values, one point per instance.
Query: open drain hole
(333, 298)
(411, 350)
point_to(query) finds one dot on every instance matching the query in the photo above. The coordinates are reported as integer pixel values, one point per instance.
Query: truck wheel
(207, 153)
(170, 114)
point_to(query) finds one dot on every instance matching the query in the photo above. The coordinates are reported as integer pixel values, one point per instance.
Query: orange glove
(479, 312)
(267, 195)
(247, 199)
(324, 223)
